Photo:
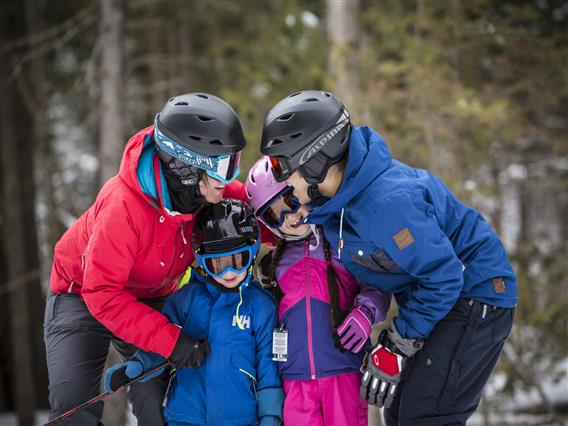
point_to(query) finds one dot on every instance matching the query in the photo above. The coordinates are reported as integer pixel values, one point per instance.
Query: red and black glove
(384, 364)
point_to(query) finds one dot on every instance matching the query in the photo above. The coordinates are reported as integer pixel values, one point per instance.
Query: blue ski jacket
(238, 384)
(402, 230)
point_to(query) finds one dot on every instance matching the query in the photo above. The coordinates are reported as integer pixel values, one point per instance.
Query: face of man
(300, 187)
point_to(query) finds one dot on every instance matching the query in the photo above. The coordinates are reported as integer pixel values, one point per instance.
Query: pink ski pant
(331, 401)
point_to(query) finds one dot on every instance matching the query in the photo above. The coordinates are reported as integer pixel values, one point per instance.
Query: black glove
(189, 352)
(383, 366)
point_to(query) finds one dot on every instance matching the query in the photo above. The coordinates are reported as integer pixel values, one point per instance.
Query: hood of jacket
(368, 158)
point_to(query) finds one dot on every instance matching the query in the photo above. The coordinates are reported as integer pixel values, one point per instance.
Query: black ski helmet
(222, 227)
(202, 123)
(307, 131)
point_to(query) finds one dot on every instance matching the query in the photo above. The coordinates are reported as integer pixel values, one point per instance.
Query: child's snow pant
(328, 401)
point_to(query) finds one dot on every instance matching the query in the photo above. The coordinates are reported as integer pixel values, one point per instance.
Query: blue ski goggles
(237, 261)
(274, 213)
(224, 168)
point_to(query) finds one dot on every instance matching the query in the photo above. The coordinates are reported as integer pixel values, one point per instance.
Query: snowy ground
(9, 419)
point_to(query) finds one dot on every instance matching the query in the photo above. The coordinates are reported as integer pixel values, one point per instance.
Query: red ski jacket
(127, 247)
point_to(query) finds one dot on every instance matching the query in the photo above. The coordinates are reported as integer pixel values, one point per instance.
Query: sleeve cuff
(270, 402)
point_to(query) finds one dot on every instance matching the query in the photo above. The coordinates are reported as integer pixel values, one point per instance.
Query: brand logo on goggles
(316, 146)
(246, 229)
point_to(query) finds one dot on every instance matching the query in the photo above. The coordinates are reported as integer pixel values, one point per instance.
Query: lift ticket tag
(280, 345)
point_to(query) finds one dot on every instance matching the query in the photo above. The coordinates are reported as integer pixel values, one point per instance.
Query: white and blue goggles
(224, 168)
(237, 260)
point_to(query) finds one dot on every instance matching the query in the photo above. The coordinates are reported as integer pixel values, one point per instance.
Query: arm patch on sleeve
(403, 238)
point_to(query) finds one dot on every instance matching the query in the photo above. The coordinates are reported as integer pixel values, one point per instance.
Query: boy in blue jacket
(402, 230)
(233, 379)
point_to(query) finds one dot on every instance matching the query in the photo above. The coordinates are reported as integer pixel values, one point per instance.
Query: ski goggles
(281, 169)
(274, 213)
(224, 168)
(237, 261)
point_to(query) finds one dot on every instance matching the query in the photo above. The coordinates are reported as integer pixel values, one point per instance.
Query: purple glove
(352, 334)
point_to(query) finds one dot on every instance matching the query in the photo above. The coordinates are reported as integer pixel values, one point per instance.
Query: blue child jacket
(239, 382)
(404, 232)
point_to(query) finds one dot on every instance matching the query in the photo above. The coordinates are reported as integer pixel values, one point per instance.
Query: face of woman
(211, 189)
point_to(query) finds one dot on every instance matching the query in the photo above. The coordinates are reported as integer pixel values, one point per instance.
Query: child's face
(230, 279)
(293, 223)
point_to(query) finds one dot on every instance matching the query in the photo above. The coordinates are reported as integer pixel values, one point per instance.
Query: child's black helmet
(228, 225)
(306, 131)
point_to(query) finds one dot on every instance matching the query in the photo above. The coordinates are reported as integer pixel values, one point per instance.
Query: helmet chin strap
(317, 199)
(314, 192)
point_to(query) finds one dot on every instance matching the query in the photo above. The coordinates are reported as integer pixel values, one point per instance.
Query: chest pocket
(373, 258)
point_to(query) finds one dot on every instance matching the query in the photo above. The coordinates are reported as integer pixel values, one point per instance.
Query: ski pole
(102, 396)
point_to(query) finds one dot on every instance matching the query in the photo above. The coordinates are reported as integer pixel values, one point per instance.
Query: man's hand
(384, 364)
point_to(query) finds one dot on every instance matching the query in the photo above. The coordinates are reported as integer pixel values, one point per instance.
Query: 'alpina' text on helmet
(319, 143)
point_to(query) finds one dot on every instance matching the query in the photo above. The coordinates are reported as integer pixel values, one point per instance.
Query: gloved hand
(381, 372)
(354, 331)
(263, 271)
(188, 352)
(120, 374)
(269, 421)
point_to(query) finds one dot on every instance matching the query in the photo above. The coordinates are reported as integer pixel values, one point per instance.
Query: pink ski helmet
(262, 189)
(261, 186)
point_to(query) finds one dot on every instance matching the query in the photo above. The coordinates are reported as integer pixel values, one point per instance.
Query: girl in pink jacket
(325, 317)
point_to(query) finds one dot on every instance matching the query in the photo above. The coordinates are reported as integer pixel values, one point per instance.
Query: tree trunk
(111, 113)
(343, 35)
(37, 110)
(111, 142)
(20, 286)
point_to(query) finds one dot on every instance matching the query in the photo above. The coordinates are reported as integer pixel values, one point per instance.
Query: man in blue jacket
(402, 230)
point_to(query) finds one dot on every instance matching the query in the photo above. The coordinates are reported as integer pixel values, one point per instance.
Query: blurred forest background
(475, 91)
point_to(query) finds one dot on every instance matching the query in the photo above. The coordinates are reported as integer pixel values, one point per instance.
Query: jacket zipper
(309, 311)
(252, 378)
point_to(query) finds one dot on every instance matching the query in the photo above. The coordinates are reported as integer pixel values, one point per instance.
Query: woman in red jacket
(114, 267)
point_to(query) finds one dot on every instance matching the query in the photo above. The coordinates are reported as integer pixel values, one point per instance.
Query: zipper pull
(183, 235)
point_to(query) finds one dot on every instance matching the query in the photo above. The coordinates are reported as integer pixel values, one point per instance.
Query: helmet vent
(195, 138)
(204, 119)
(311, 100)
(201, 95)
(327, 94)
(181, 103)
(215, 142)
(275, 142)
(252, 178)
(296, 135)
(285, 117)
(294, 94)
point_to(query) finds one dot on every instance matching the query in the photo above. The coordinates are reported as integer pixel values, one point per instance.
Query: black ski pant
(443, 383)
(77, 346)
